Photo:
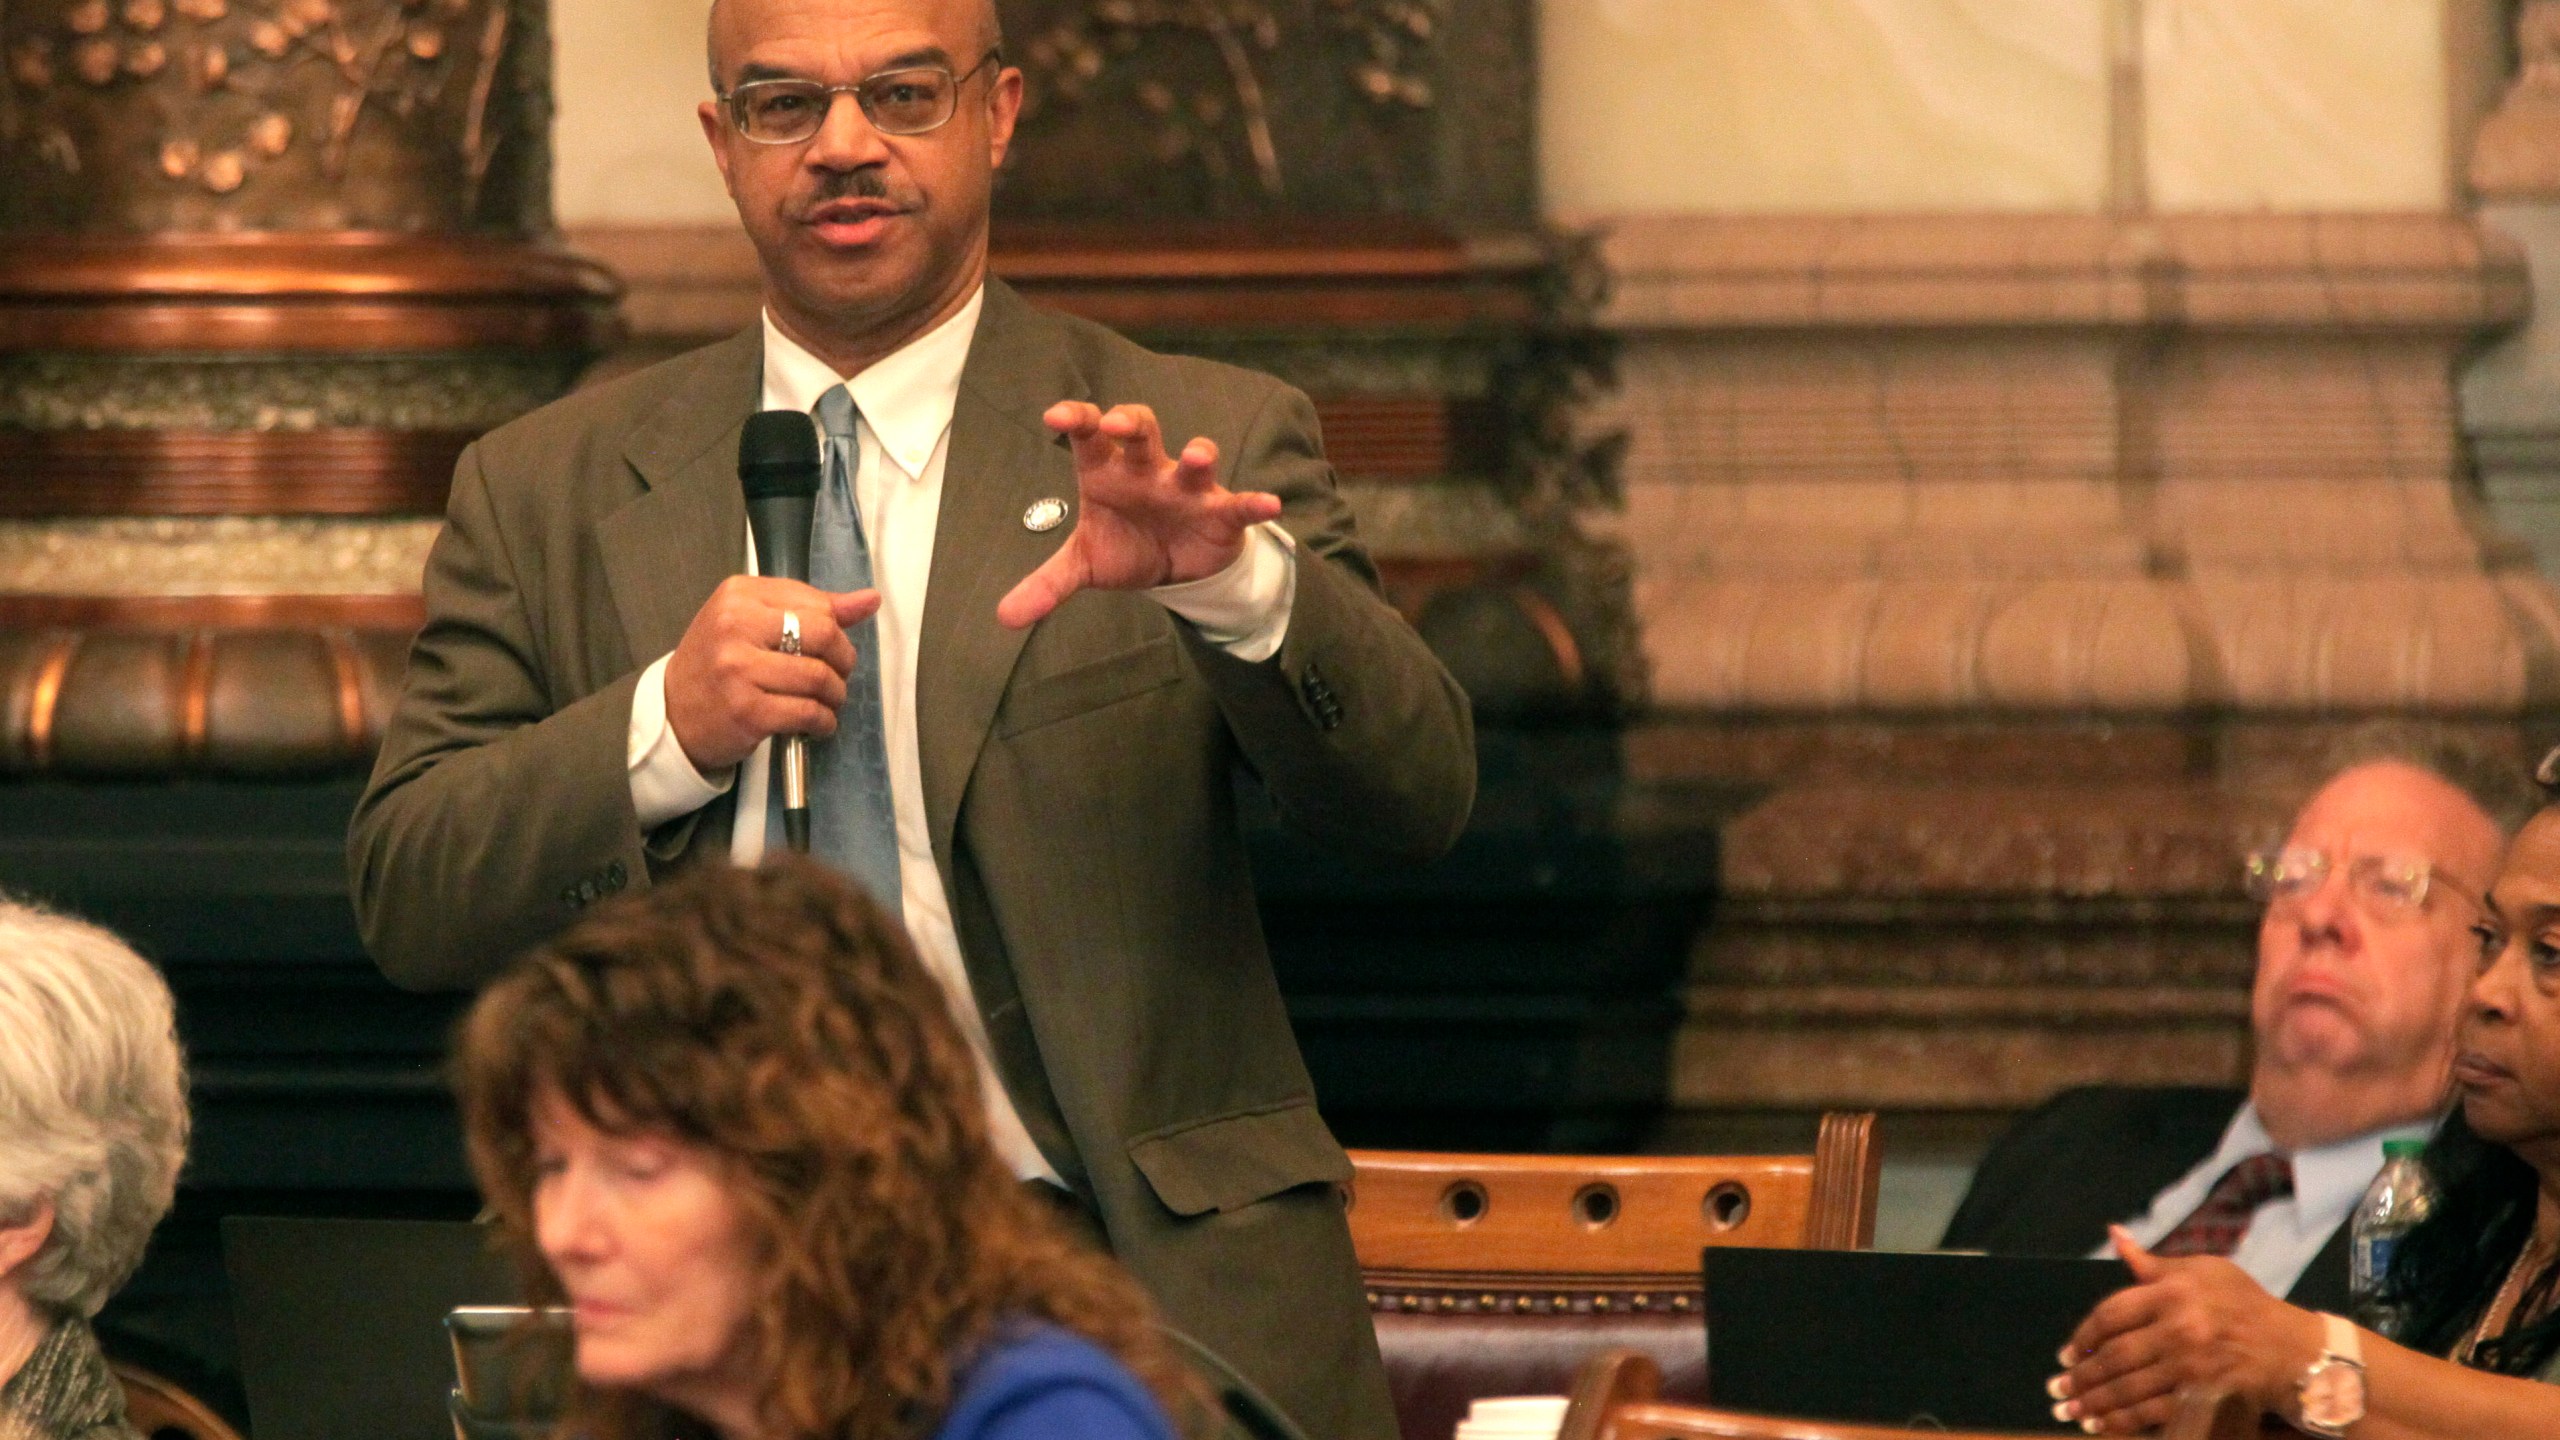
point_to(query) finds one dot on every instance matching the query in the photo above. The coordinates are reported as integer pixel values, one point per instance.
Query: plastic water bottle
(2399, 1197)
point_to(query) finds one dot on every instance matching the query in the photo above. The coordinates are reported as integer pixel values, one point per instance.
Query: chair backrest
(159, 1410)
(1500, 1274)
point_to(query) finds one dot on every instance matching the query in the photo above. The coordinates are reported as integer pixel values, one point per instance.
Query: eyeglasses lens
(897, 102)
(907, 102)
(777, 110)
(2390, 884)
(2381, 882)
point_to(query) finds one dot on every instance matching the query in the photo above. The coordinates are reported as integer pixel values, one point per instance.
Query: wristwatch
(2331, 1391)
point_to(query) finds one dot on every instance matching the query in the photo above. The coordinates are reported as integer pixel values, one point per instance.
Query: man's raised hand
(1143, 518)
(729, 684)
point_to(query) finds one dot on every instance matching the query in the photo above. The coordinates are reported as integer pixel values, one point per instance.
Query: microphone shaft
(795, 792)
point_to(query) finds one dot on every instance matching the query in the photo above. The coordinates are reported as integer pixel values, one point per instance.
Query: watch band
(2331, 1390)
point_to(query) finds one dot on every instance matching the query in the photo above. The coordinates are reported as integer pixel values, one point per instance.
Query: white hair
(93, 1102)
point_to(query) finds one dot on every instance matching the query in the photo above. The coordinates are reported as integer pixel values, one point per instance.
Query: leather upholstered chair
(1615, 1398)
(1501, 1274)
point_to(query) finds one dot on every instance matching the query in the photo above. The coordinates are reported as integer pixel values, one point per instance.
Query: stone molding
(2037, 464)
(2388, 271)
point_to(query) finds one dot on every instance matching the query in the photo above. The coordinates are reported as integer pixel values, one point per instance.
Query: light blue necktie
(853, 819)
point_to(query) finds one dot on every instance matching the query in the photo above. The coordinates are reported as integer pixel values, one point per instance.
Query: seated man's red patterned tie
(2217, 1225)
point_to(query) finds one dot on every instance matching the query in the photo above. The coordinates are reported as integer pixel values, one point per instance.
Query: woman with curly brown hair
(731, 1126)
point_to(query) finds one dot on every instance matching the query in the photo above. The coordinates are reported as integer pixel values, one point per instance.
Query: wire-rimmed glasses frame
(2391, 886)
(907, 100)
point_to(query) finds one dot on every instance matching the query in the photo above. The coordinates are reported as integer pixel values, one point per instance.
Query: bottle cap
(2403, 1149)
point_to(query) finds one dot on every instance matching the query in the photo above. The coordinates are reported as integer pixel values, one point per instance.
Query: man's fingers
(804, 677)
(772, 592)
(1197, 467)
(1072, 418)
(854, 606)
(1040, 592)
(791, 715)
(1141, 438)
(1081, 423)
(821, 636)
(1247, 508)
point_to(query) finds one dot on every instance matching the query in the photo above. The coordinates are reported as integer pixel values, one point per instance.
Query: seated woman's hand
(2193, 1322)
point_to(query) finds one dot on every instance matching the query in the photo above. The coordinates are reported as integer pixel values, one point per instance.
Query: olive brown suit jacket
(1078, 780)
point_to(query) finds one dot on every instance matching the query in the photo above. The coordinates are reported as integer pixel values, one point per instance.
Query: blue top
(1039, 1382)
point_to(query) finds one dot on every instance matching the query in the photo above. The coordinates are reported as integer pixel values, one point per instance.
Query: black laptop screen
(1961, 1342)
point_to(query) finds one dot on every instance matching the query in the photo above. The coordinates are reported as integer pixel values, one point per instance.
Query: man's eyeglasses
(2390, 886)
(908, 101)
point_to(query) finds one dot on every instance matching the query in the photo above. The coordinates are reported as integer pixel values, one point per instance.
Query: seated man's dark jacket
(2098, 1155)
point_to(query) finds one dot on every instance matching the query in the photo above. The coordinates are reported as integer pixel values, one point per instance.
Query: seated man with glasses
(2364, 953)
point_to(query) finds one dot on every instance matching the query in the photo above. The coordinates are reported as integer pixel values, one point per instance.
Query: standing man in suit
(1037, 651)
(2364, 954)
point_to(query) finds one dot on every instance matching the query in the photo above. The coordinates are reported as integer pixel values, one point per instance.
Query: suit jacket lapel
(1002, 458)
(666, 551)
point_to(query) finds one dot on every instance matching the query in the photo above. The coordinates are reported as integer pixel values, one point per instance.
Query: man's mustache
(864, 184)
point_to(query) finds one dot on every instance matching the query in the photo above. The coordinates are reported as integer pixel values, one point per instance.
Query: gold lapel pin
(1046, 514)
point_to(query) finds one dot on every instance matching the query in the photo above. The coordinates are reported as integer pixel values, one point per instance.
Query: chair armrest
(1607, 1381)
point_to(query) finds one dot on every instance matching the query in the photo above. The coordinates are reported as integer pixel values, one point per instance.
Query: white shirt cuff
(664, 783)
(1243, 609)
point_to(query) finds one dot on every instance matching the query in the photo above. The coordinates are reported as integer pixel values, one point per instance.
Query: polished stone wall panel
(2295, 104)
(1824, 105)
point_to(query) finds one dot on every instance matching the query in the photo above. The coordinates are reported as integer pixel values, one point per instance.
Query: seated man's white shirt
(905, 402)
(2286, 1234)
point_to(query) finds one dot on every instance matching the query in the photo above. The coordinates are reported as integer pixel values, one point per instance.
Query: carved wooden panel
(143, 116)
(1231, 108)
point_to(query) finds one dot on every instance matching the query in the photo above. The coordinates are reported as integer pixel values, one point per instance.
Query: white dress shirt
(905, 402)
(2287, 1234)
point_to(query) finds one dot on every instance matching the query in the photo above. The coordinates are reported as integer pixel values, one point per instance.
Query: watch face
(2333, 1394)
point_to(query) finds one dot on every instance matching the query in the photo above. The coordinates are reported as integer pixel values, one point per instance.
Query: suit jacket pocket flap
(1235, 1160)
(1069, 693)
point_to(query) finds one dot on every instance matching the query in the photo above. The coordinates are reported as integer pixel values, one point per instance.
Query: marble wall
(626, 148)
(2295, 104)
(1795, 106)
(1824, 105)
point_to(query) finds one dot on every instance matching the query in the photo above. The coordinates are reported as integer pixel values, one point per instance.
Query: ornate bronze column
(265, 267)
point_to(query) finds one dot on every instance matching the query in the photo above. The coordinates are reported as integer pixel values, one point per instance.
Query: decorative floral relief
(232, 65)
(1072, 63)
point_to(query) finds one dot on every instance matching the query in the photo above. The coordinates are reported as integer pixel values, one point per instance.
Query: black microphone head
(778, 456)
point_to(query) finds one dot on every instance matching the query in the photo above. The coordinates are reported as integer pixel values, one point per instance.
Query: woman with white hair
(93, 1127)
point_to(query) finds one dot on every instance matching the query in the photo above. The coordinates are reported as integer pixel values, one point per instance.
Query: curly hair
(777, 1020)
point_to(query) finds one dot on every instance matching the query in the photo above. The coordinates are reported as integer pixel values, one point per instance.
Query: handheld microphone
(778, 469)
